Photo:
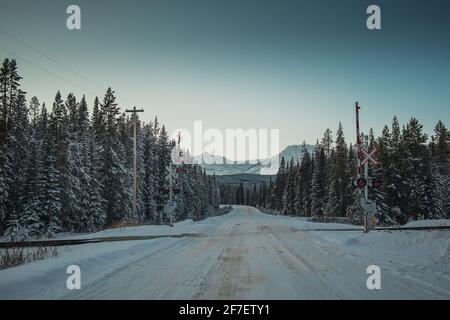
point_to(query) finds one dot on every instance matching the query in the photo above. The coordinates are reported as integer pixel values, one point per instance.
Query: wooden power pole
(134, 111)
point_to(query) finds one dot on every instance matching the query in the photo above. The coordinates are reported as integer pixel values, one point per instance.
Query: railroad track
(74, 242)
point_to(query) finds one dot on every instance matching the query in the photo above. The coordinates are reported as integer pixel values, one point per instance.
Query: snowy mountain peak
(220, 165)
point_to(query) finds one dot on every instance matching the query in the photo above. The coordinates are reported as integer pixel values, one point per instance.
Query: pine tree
(18, 146)
(319, 194)
(338, 193)
(12, 144)
(440, 147)
(34, 110)
(59, 132)
(305, 180)
(149, 180)
(383, 196)
(98, 121)
(417, 170)
(49, 201)
(163, 152)
(276, 200)
(327, 141)
(289, 189)
(112, 172)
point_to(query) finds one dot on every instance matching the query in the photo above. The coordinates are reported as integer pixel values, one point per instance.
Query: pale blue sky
(294, 65)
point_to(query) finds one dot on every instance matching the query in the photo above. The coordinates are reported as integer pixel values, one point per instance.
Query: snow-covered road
(246, 255)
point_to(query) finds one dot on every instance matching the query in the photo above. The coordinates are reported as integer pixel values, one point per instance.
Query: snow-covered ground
(428, 223)
(243, 255)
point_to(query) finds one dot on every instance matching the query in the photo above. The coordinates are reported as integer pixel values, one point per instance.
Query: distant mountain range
(221, 166)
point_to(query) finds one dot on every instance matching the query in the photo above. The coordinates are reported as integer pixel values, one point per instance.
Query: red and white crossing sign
(368, 156)
(171, 175)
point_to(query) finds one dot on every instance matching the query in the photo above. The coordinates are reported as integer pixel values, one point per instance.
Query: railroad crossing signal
(172, 180)
(363, 181)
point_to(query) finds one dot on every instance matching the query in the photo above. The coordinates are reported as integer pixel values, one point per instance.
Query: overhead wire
(57, 63)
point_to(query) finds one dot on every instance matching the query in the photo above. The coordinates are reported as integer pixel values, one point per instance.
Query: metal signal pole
(359, 169)
(134, 111)
(171, 194)
(171, 179)
(362, 175)
(358, 141)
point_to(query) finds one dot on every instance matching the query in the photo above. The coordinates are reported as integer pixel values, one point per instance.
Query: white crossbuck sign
(171, 174)
(368, 156)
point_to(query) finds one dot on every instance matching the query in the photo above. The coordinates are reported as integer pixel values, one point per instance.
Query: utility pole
(134, 111)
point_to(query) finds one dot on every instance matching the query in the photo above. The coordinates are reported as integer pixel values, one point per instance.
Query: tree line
(66, 170)
(414, 170)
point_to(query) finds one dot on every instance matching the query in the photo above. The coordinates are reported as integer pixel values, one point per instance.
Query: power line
(52, 60)
(59, 64)
(49, 72)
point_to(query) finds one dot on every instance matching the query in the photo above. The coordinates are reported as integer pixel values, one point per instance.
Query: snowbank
(429, 223)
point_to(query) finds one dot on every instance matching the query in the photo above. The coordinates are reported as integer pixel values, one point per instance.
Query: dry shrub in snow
(12, 257)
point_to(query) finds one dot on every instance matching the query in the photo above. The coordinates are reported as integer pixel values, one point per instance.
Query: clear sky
(296, 65)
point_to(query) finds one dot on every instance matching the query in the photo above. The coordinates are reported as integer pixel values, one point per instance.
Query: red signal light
(361, 183)
(376, 183)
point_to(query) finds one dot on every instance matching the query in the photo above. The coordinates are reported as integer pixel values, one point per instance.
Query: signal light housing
(376, 183)
(361, 183)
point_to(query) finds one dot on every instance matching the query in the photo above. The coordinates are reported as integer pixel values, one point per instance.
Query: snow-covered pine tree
(319, 182)
(289, 189)
(397, 191)
(305, 179)
(10, 97)
(113, 175)
(298, 190)
(75, 215)
(29, 219)
(3, 194)
(440, 147)
(215, 191)
(276, 199)
(34, 110)
(60, 139)
(164, 148)
(327, 141)
(17, 144)
(149, 179)
(48, 206)
(338, 192)
(124, 149)
(417, 170)
(97, 120)
(96, 203)
(382, 195)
